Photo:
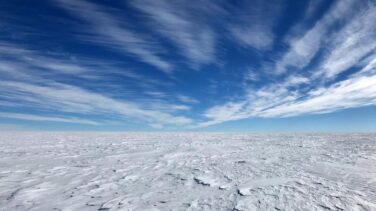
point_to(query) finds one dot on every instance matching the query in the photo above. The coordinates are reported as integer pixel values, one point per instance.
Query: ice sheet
(187, 171)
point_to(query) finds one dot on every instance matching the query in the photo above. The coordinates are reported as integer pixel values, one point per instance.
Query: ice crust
(187, 171)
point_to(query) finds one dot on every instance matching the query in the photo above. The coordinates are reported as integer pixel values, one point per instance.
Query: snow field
(187, 171)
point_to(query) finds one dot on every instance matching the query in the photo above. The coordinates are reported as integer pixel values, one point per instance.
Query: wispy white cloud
(299, 28)
(343, 45)
(32, 117)
(279, 101)
(67, 98)
(187, 99)
(254, 23)
(296, 80)
(370, 67)
(186, 25)
(355, 41)
(22, 63)
(16, 57)
(309, 80)
(24, 85)
(223, 113)
(304, 48)
(259, 37)
(251, 75)
(354, 92)
(352, 46)
(112, 32)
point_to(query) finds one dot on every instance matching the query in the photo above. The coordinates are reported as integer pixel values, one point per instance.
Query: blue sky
(279, 65)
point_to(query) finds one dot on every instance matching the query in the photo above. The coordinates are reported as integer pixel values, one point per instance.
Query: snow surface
(187, 171)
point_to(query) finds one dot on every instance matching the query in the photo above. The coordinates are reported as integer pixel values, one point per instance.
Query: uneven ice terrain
(187, 171)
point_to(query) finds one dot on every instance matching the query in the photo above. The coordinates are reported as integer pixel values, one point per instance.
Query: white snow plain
(187, 171)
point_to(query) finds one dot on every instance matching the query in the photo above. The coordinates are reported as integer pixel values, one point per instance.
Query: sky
(202, 65)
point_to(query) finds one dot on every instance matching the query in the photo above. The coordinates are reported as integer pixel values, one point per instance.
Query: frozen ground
(187, 171)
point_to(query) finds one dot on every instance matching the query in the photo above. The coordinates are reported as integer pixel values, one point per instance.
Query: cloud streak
(352, 43)
(186, 25)
(25, 85)
(278, 101)
(316, 90)
(42, 118)
(67, 98)
(254, 23)
(249, 63)
(111, 32)
(304, 48)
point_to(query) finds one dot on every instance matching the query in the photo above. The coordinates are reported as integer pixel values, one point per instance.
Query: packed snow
(187, 171)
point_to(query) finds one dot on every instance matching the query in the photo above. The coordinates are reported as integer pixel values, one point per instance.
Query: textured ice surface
(187, 171)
